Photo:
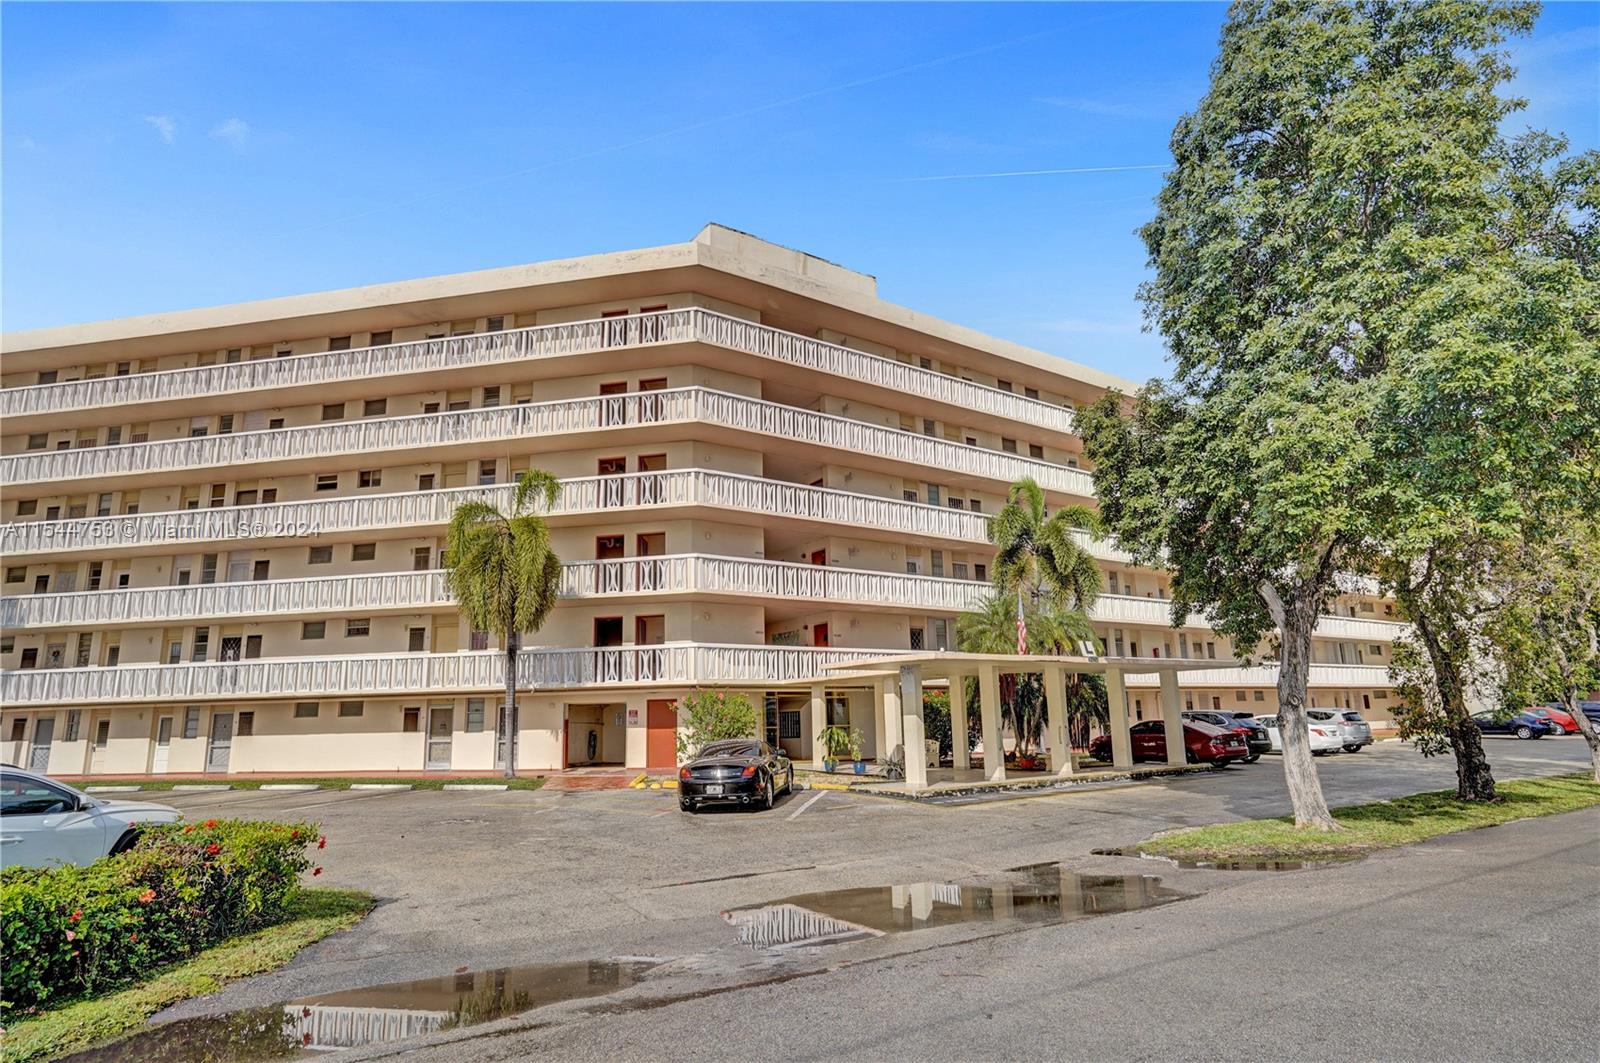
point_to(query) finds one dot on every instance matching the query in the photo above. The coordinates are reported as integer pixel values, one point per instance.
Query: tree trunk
(509, 717)
(1474, 779)
(1569, 701)
(1295, 621)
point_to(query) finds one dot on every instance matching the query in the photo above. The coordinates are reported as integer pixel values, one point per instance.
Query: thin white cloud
(165, 126)
(235, 131)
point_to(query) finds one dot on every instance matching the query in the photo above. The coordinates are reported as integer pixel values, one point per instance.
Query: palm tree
(992, 628)
(499, 567)
(1038, 551)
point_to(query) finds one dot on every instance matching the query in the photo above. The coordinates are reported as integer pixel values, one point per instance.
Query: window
(1003, 385)
(1238, 695)
(27, 507)
(247, 725)
(269, 494)
(191, 722)
(909, 496)
(16, 574)
(339, 343)
(980, 573)
(375, 407)
(8, 644)
(19, 728)
(789, 724)
(224, 424)
(260, 569)
(274, 423)
(1376, 651)
(202, 644)
(430, 407)
(925, 363)
(917, 639)
(358, 628)
(313, 629)
(1008, 445)
(421, 558)
(494, 324)
(478, 640)
(929, 428)
(352, 708)
(1031, 393)
(1035, 450)
(971, 441)
(327, 481)
(38, 440)
(474, 715)
(1259, 696)
(425, 481)
(486, 472)
(416, 639)
(74, 718)
(411, 719)
(381, 339)
(48, 376)
(936, 562)
(319, 555)
(30, 657)
(333, 411)
(975, 504)
(363, 551)
(305, 710)
(114, 435)
(935, 494)
(174, 652)
(958, 570)
(913, 566)
(491, 396)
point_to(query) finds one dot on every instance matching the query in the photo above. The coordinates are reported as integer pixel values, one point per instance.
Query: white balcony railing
(541, 341)
(393, 436)
(419, 510)
(413, 674)
(419, 674)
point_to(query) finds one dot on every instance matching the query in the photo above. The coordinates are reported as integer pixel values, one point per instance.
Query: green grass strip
(75, 1025)
(327, 783)
(1379, 825)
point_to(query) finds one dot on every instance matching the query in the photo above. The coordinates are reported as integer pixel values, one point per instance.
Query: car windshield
(1353, 717)
(1320, 715)
(731, 749)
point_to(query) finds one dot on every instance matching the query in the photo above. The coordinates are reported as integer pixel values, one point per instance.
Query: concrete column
(1172, 718)
(1117, 697)
(913, 728)
(1055, 692)
(994, 747)
(819, 720)
(958, 723)
(889, 716)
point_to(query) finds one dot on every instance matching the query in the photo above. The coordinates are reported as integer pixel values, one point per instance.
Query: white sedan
(1325, 737)
(44, 823)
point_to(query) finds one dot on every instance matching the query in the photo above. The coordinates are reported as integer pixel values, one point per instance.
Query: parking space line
(820, 794)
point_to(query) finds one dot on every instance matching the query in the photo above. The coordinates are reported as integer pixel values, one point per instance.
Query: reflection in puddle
(369, 1016)
(1038, 894)
(1320, 863)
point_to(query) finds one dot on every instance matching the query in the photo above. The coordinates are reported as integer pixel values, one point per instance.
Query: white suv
(1354, 731)
(44, 823)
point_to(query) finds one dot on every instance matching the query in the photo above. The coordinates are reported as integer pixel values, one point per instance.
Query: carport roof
(944, 664)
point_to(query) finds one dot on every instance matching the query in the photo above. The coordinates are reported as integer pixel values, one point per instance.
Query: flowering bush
(68, 931)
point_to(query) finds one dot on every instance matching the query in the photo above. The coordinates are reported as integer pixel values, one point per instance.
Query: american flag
(1022, 627)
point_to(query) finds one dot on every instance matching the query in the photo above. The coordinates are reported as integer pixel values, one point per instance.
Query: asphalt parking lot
(486, 879)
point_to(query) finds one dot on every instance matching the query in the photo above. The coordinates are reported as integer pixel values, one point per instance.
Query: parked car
(45, 823)
(1355, 731)
(741, 770)
(1522, 724)
(1255, 736)
(1590, 709)
(1558, 718)
(1202, 742)
(1325, 737)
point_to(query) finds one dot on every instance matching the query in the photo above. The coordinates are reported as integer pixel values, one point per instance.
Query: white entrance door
(97, 752)
(44, 731)
(441, 722)
(158, 759)
(221, 742)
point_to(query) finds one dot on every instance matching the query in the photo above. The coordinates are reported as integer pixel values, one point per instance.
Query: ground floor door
(661, 734)
(441, 722)
(221, 743)
(44, 731)
(158, 758)
(97, 752)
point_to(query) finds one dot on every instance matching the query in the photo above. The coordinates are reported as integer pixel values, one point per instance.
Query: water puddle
(1039, 894)
(1321, 863)
(373, 1015)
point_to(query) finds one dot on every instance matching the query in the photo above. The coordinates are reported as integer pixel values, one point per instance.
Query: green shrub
(711, 716)
(70, 931)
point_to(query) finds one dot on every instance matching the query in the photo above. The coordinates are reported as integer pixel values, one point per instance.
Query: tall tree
(1041, 552)
(501, 570)
(992, 628)
(1318, 193)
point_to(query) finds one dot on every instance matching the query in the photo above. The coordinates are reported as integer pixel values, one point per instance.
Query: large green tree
(992, 628)
(1042, 553)
(1319, 193)
(501, 570)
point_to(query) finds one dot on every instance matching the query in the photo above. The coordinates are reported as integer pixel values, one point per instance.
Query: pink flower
(72, 935)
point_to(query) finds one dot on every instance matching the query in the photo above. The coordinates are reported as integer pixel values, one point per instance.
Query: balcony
(420, 674)
(692, 325)
(462, 433)
(734, 495)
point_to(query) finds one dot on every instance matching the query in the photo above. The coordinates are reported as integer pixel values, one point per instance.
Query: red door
(661, 734)
(819, 635)
(819, 557)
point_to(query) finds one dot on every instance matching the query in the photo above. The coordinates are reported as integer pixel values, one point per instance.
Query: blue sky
(157, 157)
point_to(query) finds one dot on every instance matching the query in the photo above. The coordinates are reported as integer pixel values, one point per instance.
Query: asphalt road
(1414, 954)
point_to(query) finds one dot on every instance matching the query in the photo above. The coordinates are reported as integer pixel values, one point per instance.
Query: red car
(1559, 719)
(1202, 742)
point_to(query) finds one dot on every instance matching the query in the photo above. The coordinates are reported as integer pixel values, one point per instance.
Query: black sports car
(744, 770)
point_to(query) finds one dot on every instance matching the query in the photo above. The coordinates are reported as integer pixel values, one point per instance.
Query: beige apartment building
(223, 527)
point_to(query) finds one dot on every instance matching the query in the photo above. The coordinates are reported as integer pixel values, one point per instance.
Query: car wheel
(126, 842)
(1252, 758)
(1524, 731)
(1189, 757)
(1222, 762)
(767, 803)
(788, 781)
(687, 805)
(1352, 749)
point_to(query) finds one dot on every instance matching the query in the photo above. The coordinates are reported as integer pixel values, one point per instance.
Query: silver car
(45, 823)
(1325, 737)
(1353, 730)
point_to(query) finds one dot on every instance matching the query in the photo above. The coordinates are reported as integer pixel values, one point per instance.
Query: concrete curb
(112, 789)
(380, 786)
(201, 788)
(295, 787)
(475, 786)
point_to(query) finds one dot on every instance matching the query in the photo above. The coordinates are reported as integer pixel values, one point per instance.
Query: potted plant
(835, 743)
(855, 751)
